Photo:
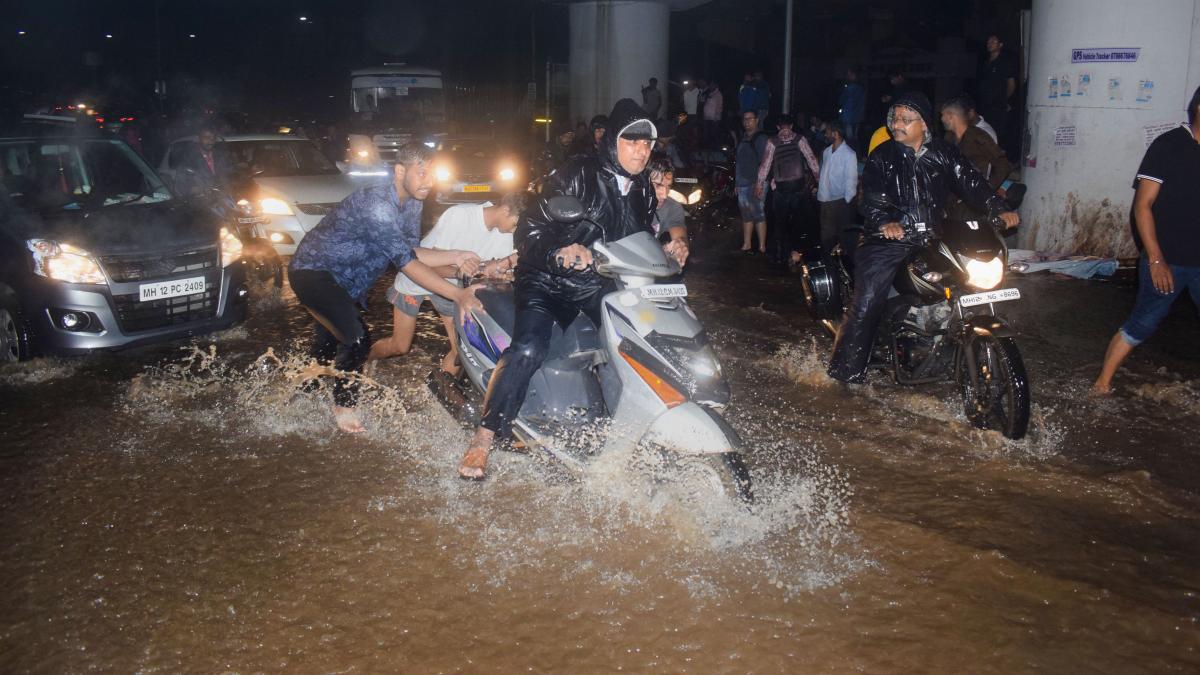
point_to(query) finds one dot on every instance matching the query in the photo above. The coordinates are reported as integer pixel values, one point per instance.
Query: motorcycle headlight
(275, 207)
(985, 275)
(694, 198)
(231, 248)
(507, 173)
(64, 262)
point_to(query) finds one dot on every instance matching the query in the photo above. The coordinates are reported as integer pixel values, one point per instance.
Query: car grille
(316, 209)
(134, 316)
(145, 268)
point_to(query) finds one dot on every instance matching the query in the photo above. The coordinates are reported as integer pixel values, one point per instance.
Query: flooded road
(182, 509)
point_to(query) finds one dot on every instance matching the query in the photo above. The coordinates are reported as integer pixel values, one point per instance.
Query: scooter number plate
(660, 291)
(999, 295)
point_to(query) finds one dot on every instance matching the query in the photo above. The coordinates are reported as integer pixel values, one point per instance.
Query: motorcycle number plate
(998, 295)
(660, 291)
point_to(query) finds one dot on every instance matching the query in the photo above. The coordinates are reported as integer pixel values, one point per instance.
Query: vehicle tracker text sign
(1105, 54)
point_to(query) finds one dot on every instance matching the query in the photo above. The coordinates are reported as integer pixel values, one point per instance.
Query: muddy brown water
(178, 508)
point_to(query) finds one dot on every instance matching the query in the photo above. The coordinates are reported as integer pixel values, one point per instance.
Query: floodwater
(181, 508)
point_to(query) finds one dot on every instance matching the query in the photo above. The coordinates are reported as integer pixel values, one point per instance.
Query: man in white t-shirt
(485, 230)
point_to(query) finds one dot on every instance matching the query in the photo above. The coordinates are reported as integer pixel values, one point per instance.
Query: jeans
(1151, 307)
(792, 222)
(538, 309)
(341, 337)
(876, 263)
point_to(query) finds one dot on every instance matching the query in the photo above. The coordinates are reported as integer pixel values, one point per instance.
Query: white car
(289, 182)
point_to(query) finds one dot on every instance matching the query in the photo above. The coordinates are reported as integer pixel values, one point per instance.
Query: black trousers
(792, 222)
(539, 307)
(876, 263)
(341, 337)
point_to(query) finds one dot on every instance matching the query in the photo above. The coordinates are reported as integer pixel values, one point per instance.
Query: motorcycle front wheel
(998, 397)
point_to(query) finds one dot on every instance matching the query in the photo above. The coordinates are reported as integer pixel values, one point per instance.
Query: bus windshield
(406, 107)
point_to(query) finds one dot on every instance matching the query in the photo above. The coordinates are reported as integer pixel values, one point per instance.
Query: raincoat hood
(627, 118)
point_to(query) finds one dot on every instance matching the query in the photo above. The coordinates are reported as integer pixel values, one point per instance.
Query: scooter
(646, 373)
(941, 321)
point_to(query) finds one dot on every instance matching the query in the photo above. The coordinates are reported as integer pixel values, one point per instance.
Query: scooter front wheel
(724, 473)
(997, 395)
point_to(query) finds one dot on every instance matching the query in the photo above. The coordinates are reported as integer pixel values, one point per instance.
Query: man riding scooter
(906, 184)
(555, 279)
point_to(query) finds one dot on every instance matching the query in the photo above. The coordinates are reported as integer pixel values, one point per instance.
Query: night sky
(259, 55)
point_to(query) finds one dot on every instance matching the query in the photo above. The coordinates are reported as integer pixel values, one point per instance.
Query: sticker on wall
(1145, 91)
(1085, 80)
(1064, 136)
(1114, 89)
(1052, 92)
(1064, 87)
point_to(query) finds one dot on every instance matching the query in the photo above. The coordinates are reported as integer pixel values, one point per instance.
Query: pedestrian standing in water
(790, 164)
(1165, 209)
(747, 156)
(337, 262)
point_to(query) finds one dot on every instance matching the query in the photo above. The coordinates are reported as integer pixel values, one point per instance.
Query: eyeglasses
(904, 121)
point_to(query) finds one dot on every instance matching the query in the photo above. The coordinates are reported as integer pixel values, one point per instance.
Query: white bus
(392, 103)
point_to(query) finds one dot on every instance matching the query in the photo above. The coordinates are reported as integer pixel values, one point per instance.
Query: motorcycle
(646, 371)
(941, 321)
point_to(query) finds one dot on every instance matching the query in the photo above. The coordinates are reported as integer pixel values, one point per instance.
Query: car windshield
(57, 174)
(278, 158)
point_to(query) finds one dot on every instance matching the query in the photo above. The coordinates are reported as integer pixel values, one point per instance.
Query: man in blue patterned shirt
(338, 261)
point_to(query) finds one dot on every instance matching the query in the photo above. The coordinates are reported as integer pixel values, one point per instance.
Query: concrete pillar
(1083, 148)
(616, 47)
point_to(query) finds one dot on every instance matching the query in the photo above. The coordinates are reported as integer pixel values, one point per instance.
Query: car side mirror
(565, 208)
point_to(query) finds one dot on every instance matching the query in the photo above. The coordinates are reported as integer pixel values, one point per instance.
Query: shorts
(1151, 307)
(750, 206)
(411, 304)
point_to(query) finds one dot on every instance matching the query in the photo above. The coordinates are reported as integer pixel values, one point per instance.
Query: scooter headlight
(985, 275)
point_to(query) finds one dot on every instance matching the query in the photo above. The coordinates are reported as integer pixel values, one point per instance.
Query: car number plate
(253, 220)
(477, 188)
(999, 295)
(690, 181)
(170, 289)
(659, 291)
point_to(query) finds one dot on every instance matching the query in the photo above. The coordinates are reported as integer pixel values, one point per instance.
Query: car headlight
(694, 198)
(275, 207)
(64, 262)
(677, 196)
(231, 248)
(985, 275)
(442, 174)
(507, 174)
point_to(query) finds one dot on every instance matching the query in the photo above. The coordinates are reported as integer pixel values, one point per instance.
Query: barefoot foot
(475, 461)
(348, 420)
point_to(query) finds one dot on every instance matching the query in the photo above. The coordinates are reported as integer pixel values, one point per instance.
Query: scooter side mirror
(565, 208)
(1014, 196)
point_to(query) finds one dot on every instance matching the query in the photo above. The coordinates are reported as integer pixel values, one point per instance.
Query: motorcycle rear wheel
(1001, 399)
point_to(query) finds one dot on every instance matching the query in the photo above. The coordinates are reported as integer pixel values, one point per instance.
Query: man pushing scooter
(554, 278)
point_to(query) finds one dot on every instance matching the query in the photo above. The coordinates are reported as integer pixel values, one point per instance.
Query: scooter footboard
(694, 430)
